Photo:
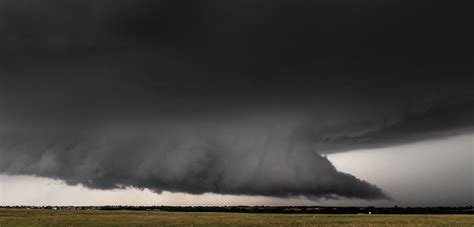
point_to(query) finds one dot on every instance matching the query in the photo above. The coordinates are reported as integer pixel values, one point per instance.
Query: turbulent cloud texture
(234, 97)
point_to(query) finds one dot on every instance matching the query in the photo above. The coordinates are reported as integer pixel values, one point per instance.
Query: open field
(19, 217)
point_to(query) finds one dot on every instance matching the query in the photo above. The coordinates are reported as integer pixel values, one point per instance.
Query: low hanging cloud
(224, 97)
(182, 157)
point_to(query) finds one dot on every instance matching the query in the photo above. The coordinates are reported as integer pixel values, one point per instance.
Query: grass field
(17, 217)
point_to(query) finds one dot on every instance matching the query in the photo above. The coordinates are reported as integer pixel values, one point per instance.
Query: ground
(23, 217)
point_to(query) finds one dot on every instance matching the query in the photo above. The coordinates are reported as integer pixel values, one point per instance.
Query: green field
(17, 217)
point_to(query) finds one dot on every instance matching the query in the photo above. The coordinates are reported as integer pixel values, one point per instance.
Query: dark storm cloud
(228, 97)
(439, 121)
(186, 159)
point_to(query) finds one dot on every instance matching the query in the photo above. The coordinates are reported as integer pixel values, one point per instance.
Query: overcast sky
(322, 101)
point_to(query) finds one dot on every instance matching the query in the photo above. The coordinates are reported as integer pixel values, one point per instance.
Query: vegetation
(270, 209)
(46, 217)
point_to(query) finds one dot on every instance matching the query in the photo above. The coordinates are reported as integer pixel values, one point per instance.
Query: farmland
(39, 217)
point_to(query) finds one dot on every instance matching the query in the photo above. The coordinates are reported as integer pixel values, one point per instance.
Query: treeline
(271, 209)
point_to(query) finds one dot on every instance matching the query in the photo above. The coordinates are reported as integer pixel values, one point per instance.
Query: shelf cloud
(228, 97)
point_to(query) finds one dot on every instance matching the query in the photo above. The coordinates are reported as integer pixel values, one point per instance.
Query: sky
(236, 102)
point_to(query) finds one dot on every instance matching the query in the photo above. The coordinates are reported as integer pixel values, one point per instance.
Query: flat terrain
(19, 217)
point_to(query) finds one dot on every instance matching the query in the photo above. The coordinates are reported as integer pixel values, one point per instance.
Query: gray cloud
(441, 120)
(227, 97)
(237, 158)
